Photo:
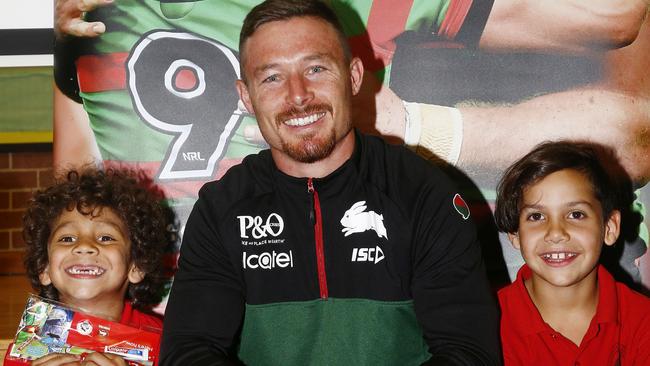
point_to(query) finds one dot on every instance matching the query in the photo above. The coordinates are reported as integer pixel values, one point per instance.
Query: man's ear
(356, 74)
(44, 276)
(612, 227)
(514, 240)
(244, 96)
(135, 274)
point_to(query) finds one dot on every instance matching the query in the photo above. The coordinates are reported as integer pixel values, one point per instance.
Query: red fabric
(619, 333)
(130, 317)
(454, 19)
(102, 72)
(140, 320)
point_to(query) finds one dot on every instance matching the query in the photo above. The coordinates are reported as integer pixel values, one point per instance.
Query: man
(331, 247)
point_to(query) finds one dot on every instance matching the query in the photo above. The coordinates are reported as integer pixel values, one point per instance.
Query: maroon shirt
(619, 333)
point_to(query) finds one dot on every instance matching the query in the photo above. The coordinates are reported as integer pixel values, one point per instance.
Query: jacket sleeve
(453, 301)
(206, 304)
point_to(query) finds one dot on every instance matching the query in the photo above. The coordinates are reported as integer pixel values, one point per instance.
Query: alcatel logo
(268, 260)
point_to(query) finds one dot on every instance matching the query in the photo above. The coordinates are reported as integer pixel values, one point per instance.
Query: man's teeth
(302, 121)
(558, 256)
(89, 271)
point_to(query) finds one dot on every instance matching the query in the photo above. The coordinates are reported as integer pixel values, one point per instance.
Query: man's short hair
(278, 10)
(544, 160)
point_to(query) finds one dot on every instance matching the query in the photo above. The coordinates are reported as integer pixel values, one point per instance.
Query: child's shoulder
(632, 302)
(139, 319)
(514, 293)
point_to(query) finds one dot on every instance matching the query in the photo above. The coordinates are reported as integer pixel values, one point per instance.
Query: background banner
(157, 93)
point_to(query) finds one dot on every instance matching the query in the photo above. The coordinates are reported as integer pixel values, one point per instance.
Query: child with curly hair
(95, 241)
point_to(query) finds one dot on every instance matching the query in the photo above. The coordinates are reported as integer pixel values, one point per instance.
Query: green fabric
(332, 332)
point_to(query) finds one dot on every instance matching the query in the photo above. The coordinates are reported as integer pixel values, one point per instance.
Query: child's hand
(56, 359)
(95, 358)
(103, 359)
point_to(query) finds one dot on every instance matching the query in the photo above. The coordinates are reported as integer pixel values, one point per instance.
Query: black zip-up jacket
(375, 264)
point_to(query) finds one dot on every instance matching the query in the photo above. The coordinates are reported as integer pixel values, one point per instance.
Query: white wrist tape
(434, 132)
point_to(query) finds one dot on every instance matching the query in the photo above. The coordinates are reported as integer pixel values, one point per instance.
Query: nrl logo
(356, 220)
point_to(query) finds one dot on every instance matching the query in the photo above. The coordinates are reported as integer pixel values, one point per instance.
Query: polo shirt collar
(530, 321)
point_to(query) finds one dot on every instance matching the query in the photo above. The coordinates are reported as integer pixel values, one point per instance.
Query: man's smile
(303, 121)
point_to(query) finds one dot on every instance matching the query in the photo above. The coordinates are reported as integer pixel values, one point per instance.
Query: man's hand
(68, 18)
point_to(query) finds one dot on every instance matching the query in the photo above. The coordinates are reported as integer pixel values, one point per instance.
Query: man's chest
(356, 244)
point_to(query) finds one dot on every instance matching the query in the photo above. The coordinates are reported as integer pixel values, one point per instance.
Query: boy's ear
(612, 227)
(514, 240)
(44, 276)
(135, 274)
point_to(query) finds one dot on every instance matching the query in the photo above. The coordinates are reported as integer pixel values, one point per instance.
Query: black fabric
(431, 254)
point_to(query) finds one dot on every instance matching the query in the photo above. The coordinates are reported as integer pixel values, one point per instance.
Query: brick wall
(21, 173)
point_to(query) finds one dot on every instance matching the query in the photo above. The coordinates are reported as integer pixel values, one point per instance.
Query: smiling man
(331, 247)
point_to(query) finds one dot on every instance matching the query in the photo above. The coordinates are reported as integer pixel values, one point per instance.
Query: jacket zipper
(317, 220)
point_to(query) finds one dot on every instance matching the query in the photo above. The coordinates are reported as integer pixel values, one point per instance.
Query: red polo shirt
(619, 333)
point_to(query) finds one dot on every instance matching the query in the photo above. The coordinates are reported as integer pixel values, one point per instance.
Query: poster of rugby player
(473, 84)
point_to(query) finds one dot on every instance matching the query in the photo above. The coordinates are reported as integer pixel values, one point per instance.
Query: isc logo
(373, 255)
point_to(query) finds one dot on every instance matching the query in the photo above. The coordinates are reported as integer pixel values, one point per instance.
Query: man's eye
(316, 69)
(535, 216)
(271, 79)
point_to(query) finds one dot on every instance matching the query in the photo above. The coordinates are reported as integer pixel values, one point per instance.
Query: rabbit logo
(356, 220)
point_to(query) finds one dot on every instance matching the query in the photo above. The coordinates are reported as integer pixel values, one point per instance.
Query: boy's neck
(109, 308)
(568, 310)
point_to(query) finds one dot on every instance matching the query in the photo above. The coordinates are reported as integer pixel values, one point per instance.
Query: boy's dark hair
(545, 159)
(127, 194)
(278, 10)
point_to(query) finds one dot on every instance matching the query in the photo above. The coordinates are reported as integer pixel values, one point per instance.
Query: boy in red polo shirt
(558, 206)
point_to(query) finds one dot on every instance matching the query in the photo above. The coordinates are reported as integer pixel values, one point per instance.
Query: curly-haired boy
(95, 241)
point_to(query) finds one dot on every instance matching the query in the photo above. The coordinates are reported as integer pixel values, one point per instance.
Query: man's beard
(309, 149)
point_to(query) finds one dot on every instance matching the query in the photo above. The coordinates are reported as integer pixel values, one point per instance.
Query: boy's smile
(89, 259)
(562, 229)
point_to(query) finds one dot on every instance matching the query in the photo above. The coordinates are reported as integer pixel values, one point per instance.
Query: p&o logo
(259, 228)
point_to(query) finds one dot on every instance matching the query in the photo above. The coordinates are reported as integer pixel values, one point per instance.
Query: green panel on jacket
(304, 333)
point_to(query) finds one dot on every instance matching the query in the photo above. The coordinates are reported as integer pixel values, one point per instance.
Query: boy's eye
(106, 238)
(67, 239)
(577, 215)
(535, 216)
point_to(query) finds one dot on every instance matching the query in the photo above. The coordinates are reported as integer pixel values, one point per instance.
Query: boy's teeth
(302, 121)
(92, 271)
(558, 255)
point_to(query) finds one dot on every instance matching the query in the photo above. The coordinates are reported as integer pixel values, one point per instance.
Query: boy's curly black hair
(131, 196)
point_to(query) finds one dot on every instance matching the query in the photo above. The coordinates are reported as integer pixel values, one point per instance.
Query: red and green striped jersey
(158, 85)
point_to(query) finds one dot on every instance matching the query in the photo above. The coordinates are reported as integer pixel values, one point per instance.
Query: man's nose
(556, 232)
(299, 93)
